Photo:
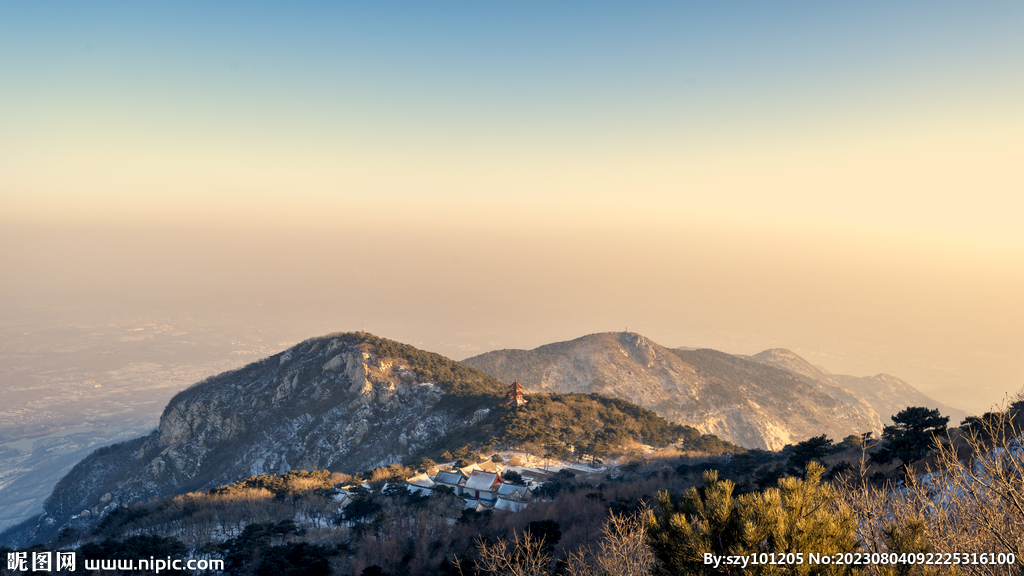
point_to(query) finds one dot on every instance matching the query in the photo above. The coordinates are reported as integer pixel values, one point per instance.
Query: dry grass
(970, 499)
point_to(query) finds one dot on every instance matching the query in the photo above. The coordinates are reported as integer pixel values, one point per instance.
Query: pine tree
(706, 520)
(800, 516)
(912, 434)
(811, 449)
(910, 539)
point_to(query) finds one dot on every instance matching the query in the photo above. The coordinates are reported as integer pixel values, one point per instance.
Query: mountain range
(763, 401)
(352, 401)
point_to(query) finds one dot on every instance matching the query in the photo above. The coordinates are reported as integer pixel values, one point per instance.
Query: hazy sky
(840, 179)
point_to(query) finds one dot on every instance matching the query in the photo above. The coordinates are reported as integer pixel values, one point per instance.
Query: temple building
(515, 395)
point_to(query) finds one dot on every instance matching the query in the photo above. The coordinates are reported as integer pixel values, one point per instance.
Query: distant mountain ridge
(886, 394)
(766, 401)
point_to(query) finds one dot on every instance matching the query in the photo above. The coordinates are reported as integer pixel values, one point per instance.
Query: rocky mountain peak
(343, 402)
(215, 414)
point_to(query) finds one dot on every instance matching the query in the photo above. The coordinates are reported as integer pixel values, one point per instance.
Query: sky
(839, 179)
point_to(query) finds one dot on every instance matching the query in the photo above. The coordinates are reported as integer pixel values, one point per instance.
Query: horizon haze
(840, 181)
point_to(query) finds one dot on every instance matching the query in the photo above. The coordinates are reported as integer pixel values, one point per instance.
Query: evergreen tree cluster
(594, 425)
(914, 432)
(261, 549)
(799, 516)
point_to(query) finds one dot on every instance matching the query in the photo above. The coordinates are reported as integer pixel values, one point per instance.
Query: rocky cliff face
(343, 402)
(330, 403)
(739, 399)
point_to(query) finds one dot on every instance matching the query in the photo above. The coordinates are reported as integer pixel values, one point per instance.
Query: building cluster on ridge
(480, 484)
